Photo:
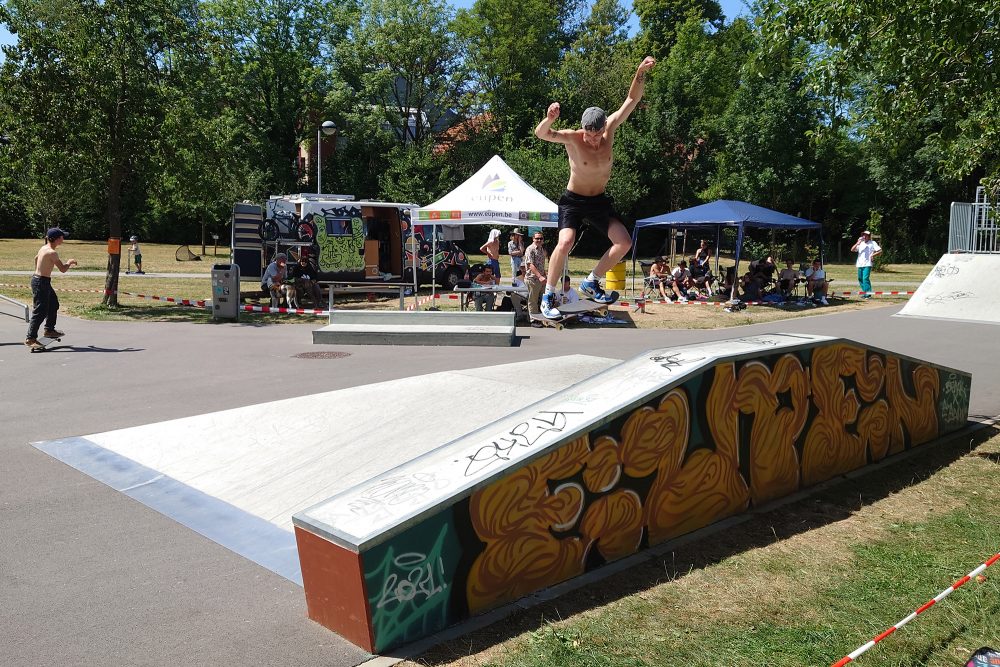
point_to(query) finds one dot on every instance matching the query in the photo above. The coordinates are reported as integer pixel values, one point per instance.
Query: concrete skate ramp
(237, 476)
(645, 451)
(962, 286)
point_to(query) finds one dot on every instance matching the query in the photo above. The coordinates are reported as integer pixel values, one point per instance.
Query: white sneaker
(682, 300)
(823, 301)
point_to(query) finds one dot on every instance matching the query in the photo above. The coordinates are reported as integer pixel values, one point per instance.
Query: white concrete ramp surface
(237, 476)
(962, 286)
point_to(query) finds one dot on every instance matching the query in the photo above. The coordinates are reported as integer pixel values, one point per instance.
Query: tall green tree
(513, 49)
(931, 58)
(660, 21)
(85, 89)
(269, 62)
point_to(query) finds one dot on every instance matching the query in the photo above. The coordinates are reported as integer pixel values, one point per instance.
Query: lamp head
(328, 127)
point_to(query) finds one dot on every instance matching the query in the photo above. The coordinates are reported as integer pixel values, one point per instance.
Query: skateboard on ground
(572, 311)
(45, 341)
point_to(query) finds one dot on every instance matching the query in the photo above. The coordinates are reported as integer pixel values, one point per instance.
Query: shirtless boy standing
(590, 160)
(45, 304)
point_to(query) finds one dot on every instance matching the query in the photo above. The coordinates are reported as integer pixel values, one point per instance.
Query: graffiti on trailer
(524, 434)
(340, 235)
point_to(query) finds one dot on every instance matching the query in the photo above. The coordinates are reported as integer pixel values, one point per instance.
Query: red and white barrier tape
(285, 311)
(851, 657)
(198, 303)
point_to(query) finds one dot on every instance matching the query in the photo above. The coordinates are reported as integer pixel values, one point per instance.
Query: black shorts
(574, 209)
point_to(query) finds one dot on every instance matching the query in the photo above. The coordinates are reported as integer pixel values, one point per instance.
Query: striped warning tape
(851, 657)
(285, 311)
(198, 303)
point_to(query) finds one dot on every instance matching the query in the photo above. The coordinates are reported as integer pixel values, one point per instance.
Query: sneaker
(592, 289)
(682, 300)
(549, 311)
(823, 301)
(31, 342)
(53, 333)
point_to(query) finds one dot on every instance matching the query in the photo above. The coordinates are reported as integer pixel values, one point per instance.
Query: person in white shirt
(816, 282)
(567, 294)
(867, 251)
(682, 276)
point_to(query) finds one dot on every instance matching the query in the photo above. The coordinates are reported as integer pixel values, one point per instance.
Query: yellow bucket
(616, 277)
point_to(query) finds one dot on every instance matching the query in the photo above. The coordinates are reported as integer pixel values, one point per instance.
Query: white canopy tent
(494, 195)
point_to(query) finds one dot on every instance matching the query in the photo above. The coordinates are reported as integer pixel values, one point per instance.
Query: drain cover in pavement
(322, 355)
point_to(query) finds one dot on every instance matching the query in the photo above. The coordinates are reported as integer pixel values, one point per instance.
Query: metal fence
(974, 227)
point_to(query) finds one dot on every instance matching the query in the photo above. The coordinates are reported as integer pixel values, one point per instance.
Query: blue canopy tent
(727, 213)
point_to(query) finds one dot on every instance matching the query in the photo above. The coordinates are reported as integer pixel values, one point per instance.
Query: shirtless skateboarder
(45, 303)
(590, 160)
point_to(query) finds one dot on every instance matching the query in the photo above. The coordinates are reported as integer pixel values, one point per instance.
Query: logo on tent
(494, 183)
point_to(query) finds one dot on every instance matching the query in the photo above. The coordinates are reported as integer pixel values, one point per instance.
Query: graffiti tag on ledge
(524, 434)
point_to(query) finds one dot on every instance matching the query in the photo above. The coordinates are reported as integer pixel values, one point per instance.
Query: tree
(268, 56)
(85, 88)
(512, 48)
(660, 20)
(938, 57)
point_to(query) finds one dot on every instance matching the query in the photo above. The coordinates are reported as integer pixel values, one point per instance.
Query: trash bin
(226, 291)
(615, 278)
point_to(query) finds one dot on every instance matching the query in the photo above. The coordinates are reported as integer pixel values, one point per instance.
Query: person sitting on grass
(817, 283)
(485, 300)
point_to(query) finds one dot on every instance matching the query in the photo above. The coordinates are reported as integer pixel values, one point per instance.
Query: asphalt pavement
(90, 577)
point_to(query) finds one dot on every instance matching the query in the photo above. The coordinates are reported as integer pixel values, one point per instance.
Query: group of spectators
(763, 279)
(288, 284)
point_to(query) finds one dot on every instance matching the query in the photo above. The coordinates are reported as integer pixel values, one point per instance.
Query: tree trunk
(114, 214)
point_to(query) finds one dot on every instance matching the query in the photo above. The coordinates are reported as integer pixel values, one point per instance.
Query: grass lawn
(160, 263)
(801, 585)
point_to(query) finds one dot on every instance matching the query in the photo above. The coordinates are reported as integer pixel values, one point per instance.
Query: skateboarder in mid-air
(590, 160)
(45, 304)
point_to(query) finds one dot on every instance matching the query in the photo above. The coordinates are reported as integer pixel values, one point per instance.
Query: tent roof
(729, 213)
(493, 195)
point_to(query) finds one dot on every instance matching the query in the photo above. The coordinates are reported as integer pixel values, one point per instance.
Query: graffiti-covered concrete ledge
(647, 450)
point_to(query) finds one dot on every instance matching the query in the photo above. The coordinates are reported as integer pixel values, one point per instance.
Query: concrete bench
(357, 327)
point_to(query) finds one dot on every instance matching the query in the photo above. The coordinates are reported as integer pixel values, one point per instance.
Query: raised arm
(635, 92)
(544, 130)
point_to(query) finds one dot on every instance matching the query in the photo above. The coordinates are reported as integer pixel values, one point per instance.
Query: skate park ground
(91, 577)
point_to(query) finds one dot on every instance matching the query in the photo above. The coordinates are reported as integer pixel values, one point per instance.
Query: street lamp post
(328, 127)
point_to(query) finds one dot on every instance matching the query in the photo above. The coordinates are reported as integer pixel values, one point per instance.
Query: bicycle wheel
(268, 230)
(304, 230)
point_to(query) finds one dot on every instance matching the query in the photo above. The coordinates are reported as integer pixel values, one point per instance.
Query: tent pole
(434, 252)
(718, 238)
(736, 266)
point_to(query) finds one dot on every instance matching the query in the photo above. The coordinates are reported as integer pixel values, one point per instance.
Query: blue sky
(731, 8)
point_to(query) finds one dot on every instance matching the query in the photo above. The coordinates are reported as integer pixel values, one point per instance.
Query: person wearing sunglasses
(590, 161)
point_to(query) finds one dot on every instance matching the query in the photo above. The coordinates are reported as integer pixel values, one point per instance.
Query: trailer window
(339, 227)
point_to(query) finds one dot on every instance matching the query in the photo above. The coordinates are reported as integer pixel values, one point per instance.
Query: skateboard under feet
(44, 342)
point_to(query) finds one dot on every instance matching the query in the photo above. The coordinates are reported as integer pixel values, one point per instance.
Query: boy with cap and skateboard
(45, 303)
(590, 160)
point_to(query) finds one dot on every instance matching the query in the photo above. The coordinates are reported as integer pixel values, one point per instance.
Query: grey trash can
(226, 292)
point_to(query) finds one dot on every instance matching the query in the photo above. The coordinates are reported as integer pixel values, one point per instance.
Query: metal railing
(27, 311)
(974, 227)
